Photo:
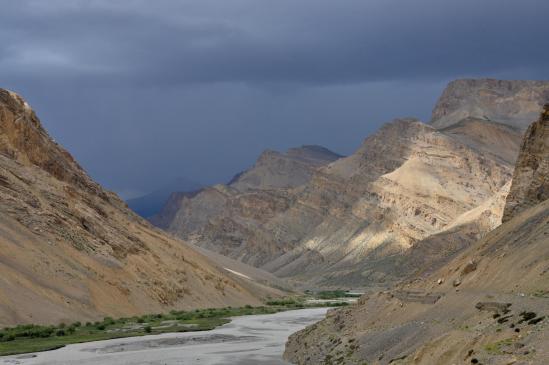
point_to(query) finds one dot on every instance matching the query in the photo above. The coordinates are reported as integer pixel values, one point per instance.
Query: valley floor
(257, 339)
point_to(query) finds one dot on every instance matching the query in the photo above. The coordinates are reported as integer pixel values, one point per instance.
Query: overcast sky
(143, 92)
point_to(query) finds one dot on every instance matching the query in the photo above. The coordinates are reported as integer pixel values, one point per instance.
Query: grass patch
(495, 348)
(335, 294)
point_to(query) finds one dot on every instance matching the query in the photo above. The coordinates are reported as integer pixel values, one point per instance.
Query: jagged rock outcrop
(487, 305)
(516, 103)
(70, 250)
(531, 177)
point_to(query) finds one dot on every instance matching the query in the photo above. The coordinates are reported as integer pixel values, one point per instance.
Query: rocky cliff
(516, 103)
(531, 177)
(70, 250)
(488, 305)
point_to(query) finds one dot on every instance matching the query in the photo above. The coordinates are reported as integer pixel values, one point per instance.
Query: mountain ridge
(332, 221)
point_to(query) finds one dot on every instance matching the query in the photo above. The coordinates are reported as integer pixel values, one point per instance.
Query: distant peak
(313, 151)
(512, 102)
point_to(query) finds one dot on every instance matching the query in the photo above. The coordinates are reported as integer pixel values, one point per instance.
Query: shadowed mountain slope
(70, 250)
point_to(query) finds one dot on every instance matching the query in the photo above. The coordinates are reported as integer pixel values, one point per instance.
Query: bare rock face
(531, 177)
(70, 250)
(516, 103)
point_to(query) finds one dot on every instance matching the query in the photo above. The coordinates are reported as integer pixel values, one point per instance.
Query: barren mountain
(71, 250)
(233, 219)
(488, 305)
(152, 203)
(516, 103)
(411, 193)
(406, 183)
(283, 170)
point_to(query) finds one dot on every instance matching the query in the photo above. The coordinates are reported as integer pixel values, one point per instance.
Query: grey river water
(246, 340)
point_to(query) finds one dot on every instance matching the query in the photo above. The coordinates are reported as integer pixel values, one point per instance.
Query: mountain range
(443, 225)
(412, 193)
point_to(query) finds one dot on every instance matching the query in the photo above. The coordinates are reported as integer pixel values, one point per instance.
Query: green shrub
(148, 329)
(9, 337)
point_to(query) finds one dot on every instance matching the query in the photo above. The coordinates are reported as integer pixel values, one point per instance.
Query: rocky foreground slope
(411, 194)
(489, 305)
(70, 250)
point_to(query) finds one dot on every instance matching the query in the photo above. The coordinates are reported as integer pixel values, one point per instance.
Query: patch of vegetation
(541, 294)
(34, 338)
(335, 294)
(495, 348)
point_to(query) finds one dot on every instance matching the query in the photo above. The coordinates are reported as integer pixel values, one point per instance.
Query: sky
(146, 92)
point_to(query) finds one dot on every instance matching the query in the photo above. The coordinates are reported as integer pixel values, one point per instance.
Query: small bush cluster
(26, 331)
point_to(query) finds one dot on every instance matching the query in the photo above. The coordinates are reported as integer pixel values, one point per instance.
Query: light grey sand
(245, 341)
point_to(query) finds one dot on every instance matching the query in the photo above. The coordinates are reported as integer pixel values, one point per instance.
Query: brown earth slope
(71, 250)
(489, 305)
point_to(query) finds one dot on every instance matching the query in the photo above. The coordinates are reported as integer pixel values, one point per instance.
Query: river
(247, 340)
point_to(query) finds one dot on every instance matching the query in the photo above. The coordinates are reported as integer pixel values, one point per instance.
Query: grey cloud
(144, 91)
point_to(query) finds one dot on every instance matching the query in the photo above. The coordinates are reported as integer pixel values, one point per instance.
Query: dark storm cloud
(143, 91)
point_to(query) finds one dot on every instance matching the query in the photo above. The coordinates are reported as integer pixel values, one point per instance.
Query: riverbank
(246, 340)
(34, 338)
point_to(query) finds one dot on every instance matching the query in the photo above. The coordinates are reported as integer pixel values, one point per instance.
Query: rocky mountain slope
(531, 177)
(71, 250)
(233, 219)
(274, 170)
(488, 305)
(516, 103)
(411, 193)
